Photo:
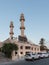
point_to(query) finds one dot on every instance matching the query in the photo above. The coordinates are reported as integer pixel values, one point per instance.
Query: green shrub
(8, 48)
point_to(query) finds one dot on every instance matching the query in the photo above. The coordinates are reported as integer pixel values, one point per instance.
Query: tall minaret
(11, 30)
(22, 28)
(22, 37)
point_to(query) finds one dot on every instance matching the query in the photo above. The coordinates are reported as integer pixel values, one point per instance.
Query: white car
(36, 56)
(46, 55)
(43, 55)
(31, 56)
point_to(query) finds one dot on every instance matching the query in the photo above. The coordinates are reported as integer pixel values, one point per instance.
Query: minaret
(22, 28)
(11, 30)
(22, 37)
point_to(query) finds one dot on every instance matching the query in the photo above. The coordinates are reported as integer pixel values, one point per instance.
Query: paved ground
(3, 58)
(23, 62)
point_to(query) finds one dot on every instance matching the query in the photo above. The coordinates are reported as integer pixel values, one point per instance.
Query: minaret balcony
(11, 33)
(11, 26)
(22, 19)
(22, 27)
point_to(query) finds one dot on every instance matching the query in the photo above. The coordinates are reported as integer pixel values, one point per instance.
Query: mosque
(22, 41)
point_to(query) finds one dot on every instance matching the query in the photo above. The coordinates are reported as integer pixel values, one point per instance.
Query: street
(23, 62)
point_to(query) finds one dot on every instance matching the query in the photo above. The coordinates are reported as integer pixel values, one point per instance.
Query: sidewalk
(5, 61)
(19, 59)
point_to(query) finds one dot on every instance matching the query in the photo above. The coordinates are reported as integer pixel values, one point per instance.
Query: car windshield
(27, 55)
(39, 53)
(33, 54)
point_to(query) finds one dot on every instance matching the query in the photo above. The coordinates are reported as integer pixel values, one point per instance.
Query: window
(21, 52)
(35, 48)
(27, 52)
(27, 47)
(32, 48)
(21, 47)
(15, 52)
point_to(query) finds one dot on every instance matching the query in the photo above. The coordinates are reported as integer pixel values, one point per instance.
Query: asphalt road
(23, 62)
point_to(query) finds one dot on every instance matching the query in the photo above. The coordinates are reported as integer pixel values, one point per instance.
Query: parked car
(43, 55)
(46, 55)
(31, 56)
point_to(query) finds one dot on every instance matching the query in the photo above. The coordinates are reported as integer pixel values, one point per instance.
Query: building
(24, 45)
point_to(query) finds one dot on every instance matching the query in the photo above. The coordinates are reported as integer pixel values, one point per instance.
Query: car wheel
(32, 59)
(48, 55)
(39, 57)
(26, 59)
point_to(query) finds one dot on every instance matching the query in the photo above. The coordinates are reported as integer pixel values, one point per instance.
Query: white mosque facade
(24, 46)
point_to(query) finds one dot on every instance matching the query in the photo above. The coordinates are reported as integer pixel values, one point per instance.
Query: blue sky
(36, 14)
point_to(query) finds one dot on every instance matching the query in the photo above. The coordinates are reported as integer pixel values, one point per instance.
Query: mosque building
(24, 45)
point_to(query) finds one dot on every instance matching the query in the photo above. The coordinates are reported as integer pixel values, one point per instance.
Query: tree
(0, 49)
(42, 42)
(8, 48)
(42, 45)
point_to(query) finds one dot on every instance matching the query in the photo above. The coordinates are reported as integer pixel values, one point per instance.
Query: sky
(36, 13)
